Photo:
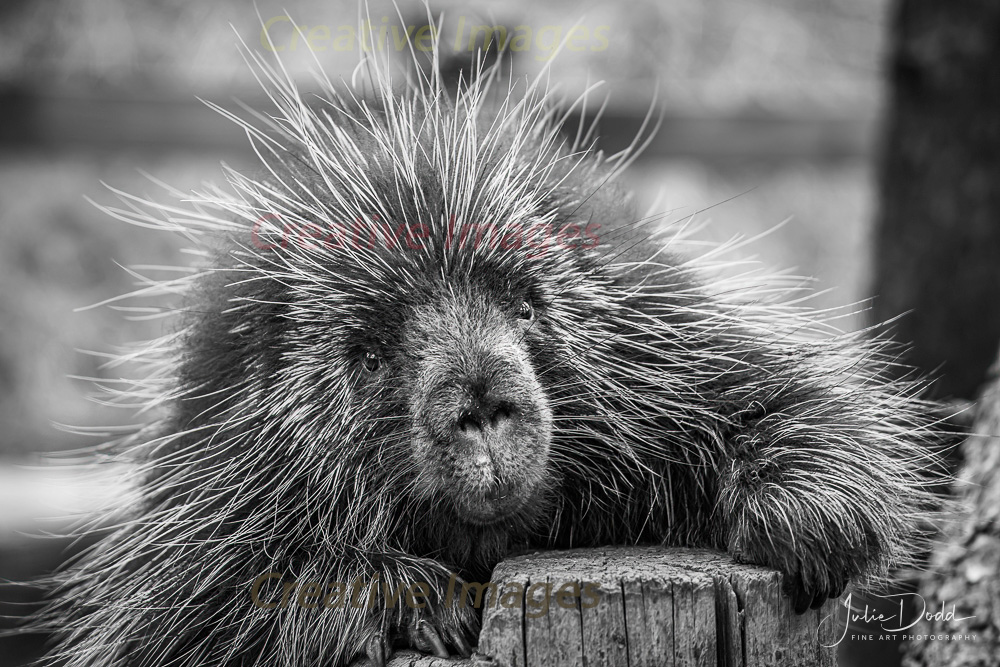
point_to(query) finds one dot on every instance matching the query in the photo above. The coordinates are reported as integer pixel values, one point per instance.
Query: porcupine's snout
(482, 424)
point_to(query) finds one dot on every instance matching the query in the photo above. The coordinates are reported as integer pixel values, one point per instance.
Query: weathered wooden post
(639, 606)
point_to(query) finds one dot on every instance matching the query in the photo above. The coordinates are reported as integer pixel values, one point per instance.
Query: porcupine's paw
(443, 632)
(807, 581)
(811, 590)
(377, 648)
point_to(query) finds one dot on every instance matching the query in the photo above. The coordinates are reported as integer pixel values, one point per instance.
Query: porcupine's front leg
(816, 488)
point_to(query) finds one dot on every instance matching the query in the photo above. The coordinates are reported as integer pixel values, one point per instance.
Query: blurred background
(771, 113)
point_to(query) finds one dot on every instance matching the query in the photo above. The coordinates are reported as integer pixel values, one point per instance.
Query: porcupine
(502, 355)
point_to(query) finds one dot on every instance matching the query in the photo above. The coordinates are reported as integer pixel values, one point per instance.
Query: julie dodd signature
(859, 621)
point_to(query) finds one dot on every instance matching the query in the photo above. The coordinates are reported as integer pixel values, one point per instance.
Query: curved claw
(458, 639)
(431, 636)
(803, 599)
(377, 651)
(835, 589)
(794, 588)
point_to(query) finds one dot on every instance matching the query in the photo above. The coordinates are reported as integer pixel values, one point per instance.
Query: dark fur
(631, 403)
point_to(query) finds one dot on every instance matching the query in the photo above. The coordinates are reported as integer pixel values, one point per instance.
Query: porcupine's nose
(482, 427)
(484, 416)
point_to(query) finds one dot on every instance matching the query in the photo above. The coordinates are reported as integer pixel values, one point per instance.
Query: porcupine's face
(481, 423)
(452, 362)
(425, 367)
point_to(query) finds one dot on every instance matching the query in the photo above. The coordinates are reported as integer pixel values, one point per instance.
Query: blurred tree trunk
(937, 242)
(937, 257)
(965, 569)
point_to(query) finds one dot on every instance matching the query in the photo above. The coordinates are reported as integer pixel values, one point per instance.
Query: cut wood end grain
(654, 606)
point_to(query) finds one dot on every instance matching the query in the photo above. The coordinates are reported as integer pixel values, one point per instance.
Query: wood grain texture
(652, 606)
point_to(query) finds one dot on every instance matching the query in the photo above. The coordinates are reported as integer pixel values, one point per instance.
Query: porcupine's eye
(371, 361)
(526, 311)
